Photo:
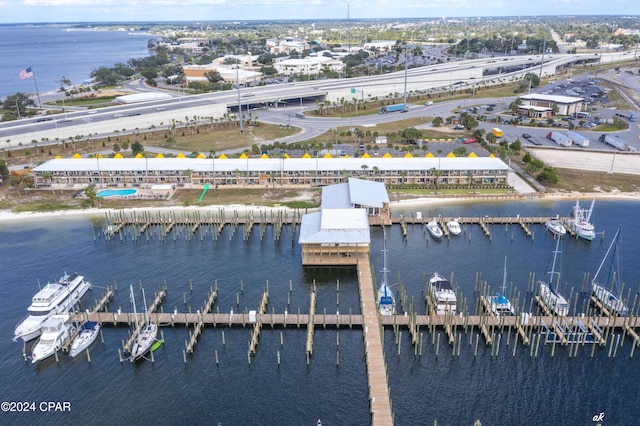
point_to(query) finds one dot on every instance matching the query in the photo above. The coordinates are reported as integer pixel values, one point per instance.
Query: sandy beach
(8, 216)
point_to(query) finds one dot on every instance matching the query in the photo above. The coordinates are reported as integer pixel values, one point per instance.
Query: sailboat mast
(615, 238)
(146, 315)
(504, 277)
(133, 302)
(553, 266)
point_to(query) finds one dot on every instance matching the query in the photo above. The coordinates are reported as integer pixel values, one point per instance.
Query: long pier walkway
(379, 400)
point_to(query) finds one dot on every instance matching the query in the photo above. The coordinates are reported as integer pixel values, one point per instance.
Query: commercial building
(539, 105)
(340, 230)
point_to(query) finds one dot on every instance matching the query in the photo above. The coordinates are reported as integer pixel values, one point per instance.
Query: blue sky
(21, 11)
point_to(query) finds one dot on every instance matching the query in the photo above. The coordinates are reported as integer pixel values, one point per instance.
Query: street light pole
(239, 102)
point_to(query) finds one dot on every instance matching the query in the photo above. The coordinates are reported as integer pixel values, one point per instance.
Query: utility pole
(544, 47)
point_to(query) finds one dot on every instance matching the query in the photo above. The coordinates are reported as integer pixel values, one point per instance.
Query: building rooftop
(335, 226)
(272, 165)
(552, 98)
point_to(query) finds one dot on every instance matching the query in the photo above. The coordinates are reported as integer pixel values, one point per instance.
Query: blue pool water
(116, 192)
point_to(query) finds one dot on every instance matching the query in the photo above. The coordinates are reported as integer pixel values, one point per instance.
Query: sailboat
(608, 296)
(386, 301)
(550, 295)
(145, 336)
(500, 305)
(579, 221)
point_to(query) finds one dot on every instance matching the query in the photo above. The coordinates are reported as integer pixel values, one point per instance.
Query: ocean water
(454, 390)
(53, 51)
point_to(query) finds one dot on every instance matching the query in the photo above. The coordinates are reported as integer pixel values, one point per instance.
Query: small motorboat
(434, 229)
(454, 227)
(556, 227)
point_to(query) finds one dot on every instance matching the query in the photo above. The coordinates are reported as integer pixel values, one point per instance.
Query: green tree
(17, 104)
(92, 196)
(4, 170)
(137, 148)
(437, 121)
(213, 76)
(548, 176)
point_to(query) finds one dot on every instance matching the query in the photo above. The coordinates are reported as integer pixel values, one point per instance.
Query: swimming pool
(116, 192)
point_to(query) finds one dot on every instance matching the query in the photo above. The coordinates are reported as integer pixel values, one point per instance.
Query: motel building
(246, 172)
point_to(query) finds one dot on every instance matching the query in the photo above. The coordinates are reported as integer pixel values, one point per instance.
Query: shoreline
(9, 216)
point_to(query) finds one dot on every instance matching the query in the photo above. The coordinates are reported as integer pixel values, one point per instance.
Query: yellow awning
(387, 155)
(76, 155)
(57, 157)
(327, 155)
(264, 156)
(346, 156)
(180, 155)
(139, 155)
(159, 155)
(408, 155)
(429, 155)
(224, 157)
(118, 155)
(286, 155)
(473, 155)
(492, 156)
(244, 156)
(98, 156)
(201, 155)
(306, 155)
(366, 155)
(451, 155)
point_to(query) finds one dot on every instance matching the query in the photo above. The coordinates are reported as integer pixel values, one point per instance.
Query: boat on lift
(500, 304)
(611, 297)
(549, 293)
(386, 300)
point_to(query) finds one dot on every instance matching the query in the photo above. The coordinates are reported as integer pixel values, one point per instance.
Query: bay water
(57, 50)
(506, 389)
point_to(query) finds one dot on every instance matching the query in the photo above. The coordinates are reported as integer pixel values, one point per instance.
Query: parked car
(526, 136)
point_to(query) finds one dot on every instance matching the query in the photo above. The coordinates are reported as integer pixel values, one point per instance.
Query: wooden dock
(257, 327)
(100, 305)
(310, 327)
(197, 329)
(379, 398)
(194, 221)
(140, 318)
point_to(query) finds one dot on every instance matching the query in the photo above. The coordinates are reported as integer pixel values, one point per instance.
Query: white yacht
(146, 335)
(55, 331)
(54, 298)
(500, 304)
(549, 294)
(386, 301)
(579, 221)
(87, 334)
(443, 296)
(555, 227)
(609, 296)
(454, 227)
(434, 229)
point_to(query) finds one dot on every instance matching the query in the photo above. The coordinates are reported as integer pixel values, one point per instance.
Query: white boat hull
(84, 339)
(434, 230)
(29, 328)
(554, 301)
(454, 228)
(556, 227)
(609, 300)
(51, 341)
(143, 342)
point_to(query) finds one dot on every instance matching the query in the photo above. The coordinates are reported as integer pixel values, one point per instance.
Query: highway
(290, 97)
